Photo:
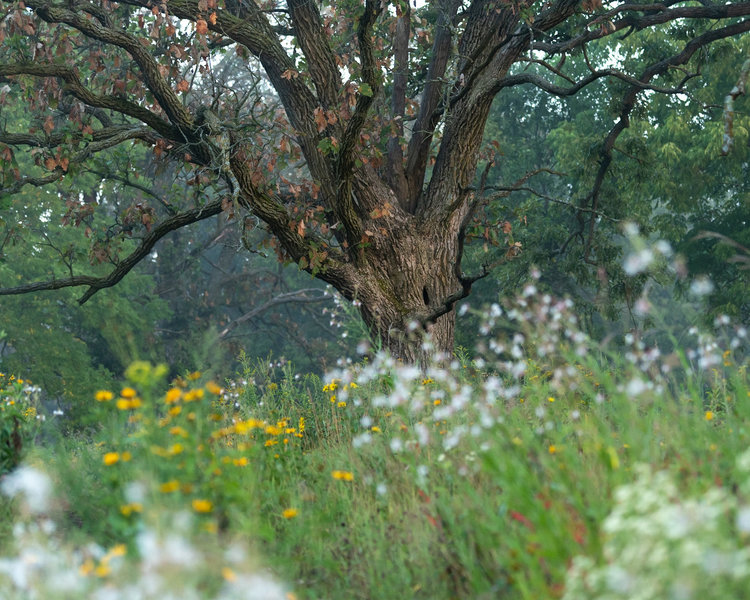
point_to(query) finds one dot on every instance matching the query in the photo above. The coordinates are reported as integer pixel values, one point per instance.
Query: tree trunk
(406, 274)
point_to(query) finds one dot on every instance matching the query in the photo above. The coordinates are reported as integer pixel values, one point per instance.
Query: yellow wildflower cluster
(130, 508)
(112, 458)
(343, 475)
(103, 568)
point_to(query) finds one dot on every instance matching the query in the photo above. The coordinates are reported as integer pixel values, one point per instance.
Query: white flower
(638, 262)
(635, 387)
(743, 519)
(32, 484)
(701, 286)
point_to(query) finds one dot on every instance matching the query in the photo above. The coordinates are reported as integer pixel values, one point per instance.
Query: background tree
(667, 174)
(352, 132)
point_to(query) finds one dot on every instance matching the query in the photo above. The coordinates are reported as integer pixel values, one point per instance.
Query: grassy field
(551, 467)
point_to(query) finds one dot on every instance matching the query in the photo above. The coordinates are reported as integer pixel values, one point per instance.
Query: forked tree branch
(344, 207)
(654, 14)
(116, 137)
(299, 296)
(126, 265)
(74, 86)
(101, 31)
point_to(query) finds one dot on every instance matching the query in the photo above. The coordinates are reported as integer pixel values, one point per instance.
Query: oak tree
(351, 131)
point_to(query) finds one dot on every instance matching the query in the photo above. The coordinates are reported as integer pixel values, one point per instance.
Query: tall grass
(549, 466)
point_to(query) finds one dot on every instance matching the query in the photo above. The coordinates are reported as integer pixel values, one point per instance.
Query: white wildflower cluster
(169, 562)
(644, 255)
(659, 544)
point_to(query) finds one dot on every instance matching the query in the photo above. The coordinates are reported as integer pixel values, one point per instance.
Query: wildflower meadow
(543, 464)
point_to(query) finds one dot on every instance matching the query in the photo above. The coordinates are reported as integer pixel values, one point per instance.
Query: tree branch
(344, 206)
(117, 136)
(562, 92)
(73, 86)
(629, 104)
(395, 168)
(659, 15)
(428, 117)
(164, 94)
(300, 296)
(125, 266)
(321, 62)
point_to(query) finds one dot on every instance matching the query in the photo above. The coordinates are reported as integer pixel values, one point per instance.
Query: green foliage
(666, 175)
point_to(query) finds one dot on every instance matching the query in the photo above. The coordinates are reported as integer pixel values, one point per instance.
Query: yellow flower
(169, 486)
(271, 442)
(175, 410)
(172, 395)
(104, 396)
(123, 404)
(437, 402)
(194, 375)
(228, 574)
(126, 456)
(428, 381)
(177, 430)
(553, 449)
(176, 449)
(241, 462)
(331, 386)
(272, 430)
(193, 395)
(290, 513)
(375, 428)
(129, 509)
(550, 399)
(213, 388)
(341, 404)
(709, 415)
(102, 570)
(118, 550)
(342, 475)
(202, 506)
(110, 458)
(244, 426)
(86, 568)
(128, 392)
